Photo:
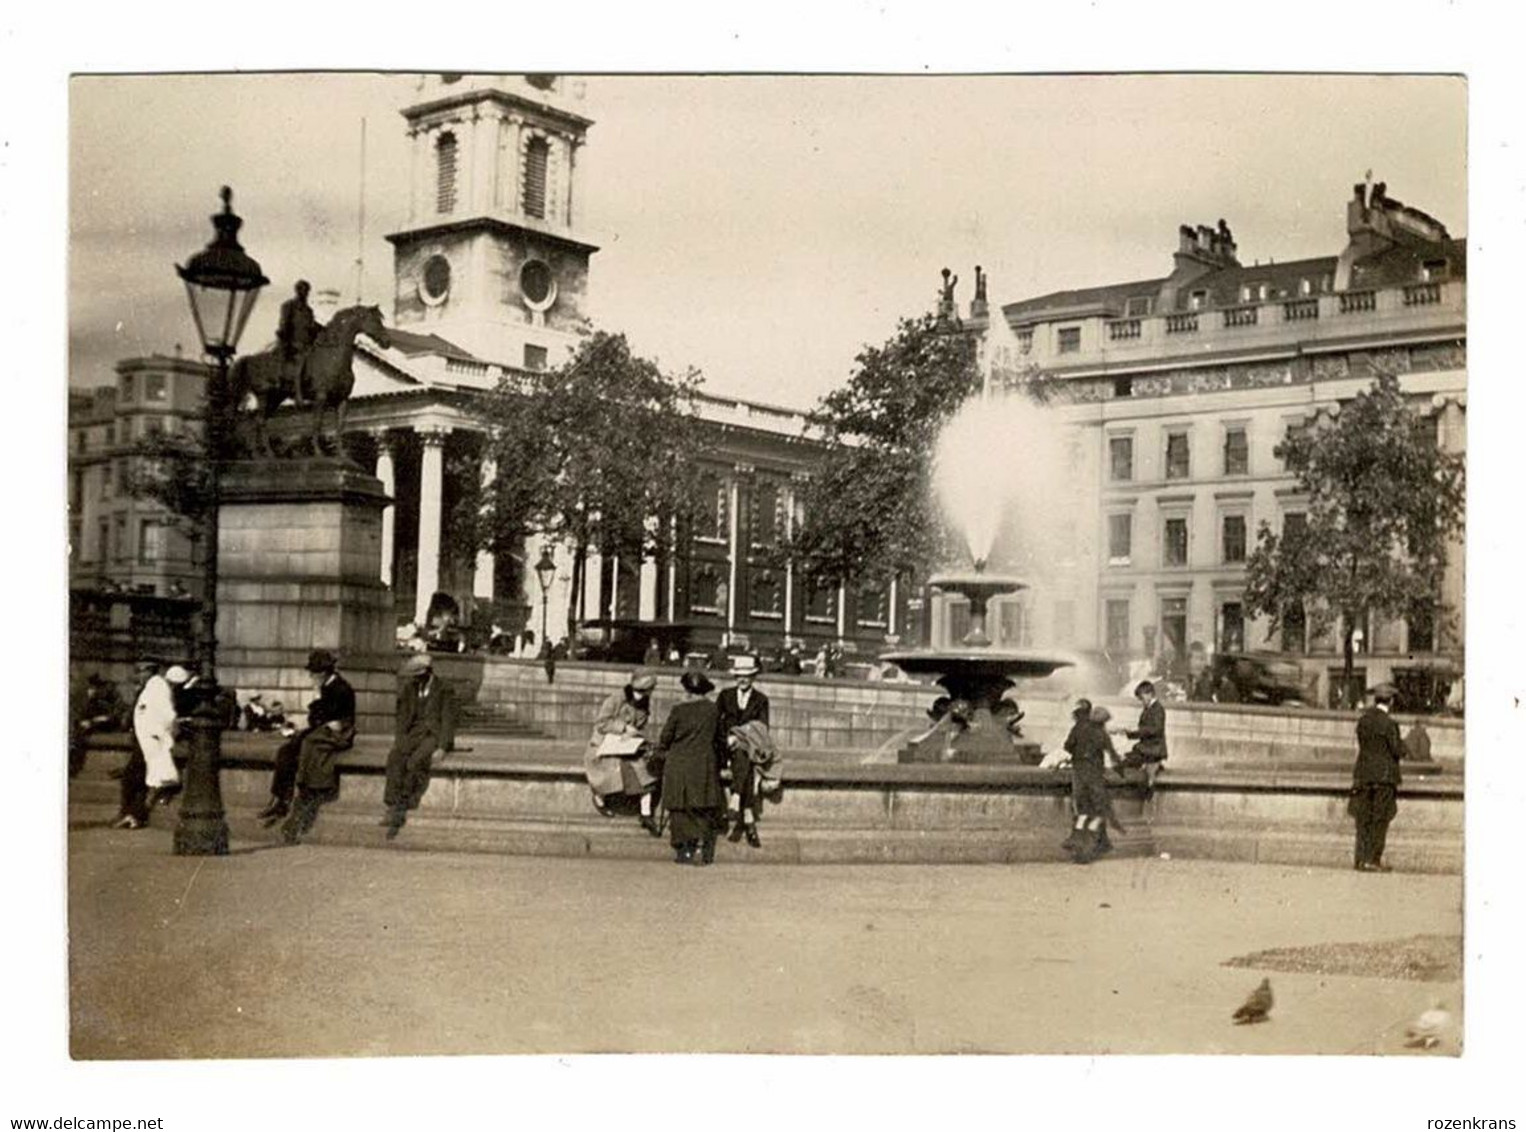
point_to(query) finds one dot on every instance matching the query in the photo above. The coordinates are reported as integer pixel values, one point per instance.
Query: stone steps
(857, 813)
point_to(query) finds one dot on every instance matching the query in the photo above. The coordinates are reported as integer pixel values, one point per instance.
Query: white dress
(153, 722)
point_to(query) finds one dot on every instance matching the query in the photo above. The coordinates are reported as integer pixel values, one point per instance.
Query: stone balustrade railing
(1274, 322)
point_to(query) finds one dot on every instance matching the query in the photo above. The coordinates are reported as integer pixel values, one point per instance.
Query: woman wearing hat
(626, 714)
(153, 725)
(692, 745)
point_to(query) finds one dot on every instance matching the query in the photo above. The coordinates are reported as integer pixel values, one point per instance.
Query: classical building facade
(491, 275)
(1176, 390)
(119, 541)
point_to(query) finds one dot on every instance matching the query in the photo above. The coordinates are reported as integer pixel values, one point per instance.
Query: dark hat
(696, 683)
(321, 660)
(1383, 691)
(1082, 709)
(1144, 687)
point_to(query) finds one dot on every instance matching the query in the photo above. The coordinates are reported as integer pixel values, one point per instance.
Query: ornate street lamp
(222, 283)
(545, 573)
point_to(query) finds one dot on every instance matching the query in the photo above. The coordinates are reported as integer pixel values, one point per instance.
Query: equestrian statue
(310, 365)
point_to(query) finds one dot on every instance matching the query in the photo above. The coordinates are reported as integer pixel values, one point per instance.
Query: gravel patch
(1419, 958)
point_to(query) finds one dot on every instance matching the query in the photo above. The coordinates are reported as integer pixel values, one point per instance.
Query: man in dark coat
(690, 749)
(741, 704)
(307, 762)
(1149, 749)
(425, 730)
(1375, 779)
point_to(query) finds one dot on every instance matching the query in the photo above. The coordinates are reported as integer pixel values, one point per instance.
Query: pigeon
(1257, 1006)
(1426, 1031)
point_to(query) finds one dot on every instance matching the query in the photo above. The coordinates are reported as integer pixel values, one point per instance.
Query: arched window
(445, 173)
(537, 158)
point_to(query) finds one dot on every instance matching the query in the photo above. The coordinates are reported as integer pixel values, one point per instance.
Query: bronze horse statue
(321, 377)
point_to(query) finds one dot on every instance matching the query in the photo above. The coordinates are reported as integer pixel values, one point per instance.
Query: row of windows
(1234, 455)
(1168, 639)
(769, 519)
(155, 388)
(132, 428)
(111, 543)
(1176, 539)
(710, 593)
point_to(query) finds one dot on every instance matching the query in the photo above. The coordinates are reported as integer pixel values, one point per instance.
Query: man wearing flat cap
(425, 730)
(1375, 779)
(307, 763)
(739, 705)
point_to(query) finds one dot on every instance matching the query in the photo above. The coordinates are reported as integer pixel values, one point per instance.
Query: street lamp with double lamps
(222, 282)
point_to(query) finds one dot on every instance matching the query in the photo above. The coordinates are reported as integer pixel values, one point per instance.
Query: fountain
(980, 723)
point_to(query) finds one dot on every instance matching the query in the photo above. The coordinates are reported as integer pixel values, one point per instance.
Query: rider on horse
(295, 334)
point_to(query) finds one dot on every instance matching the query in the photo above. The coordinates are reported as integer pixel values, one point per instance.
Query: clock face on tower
(434, 280)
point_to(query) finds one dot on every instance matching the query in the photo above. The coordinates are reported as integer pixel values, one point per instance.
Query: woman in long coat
(692, 746)
(625, 713)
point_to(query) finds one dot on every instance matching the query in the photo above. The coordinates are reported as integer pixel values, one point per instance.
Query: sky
(760, 228)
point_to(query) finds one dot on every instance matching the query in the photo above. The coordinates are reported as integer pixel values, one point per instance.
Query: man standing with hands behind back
(1375, 779)
(741, 704)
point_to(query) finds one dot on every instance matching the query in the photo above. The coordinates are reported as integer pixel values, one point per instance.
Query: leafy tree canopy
(869, 510)
(1383, 503)
(589, 451)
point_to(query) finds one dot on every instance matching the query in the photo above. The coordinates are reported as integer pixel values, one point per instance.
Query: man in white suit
(153, 722)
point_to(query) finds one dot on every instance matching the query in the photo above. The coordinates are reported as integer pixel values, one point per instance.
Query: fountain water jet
(995, 456)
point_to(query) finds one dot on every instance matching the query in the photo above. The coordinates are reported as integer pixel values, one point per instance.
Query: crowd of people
(704, 774)
(709, 769)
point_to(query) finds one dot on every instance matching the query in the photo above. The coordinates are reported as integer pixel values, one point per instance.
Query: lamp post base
(203, 828)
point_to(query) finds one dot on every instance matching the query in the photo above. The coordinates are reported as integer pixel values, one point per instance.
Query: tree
(869, 510)
(1383, 503)
(600, 452)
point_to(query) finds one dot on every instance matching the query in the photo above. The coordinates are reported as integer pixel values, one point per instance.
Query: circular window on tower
(538, 285)
(434, 281)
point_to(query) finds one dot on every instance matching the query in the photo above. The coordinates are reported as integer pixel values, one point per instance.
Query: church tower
(491, 259)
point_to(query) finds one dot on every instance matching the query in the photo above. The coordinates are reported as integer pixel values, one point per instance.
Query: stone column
(487, 564)
(894, 627)
(593, 584)
(386, 472)
(431, 513)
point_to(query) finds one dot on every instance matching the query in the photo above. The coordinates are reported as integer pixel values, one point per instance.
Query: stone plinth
(299, 567)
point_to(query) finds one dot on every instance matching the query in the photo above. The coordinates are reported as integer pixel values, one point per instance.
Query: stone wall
(866, 716)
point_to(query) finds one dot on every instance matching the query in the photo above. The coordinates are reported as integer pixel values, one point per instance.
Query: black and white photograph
(915, 570)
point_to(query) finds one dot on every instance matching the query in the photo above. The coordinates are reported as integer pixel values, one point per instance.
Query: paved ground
(317, 950)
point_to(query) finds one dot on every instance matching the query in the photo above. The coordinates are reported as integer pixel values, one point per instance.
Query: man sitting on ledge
(307, 761)
(426, 729)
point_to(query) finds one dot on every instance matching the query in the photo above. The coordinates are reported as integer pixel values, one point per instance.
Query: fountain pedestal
(978, 725)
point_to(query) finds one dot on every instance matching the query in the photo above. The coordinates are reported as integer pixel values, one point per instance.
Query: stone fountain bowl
(979, 662)
(977, 585)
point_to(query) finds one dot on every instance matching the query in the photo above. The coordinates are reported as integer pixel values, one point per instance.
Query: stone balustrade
(1270, 323)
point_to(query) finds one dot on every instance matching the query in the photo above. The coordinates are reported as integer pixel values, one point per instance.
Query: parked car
(1247, 678)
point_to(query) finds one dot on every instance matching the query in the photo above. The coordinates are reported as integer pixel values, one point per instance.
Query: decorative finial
(227, 197)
